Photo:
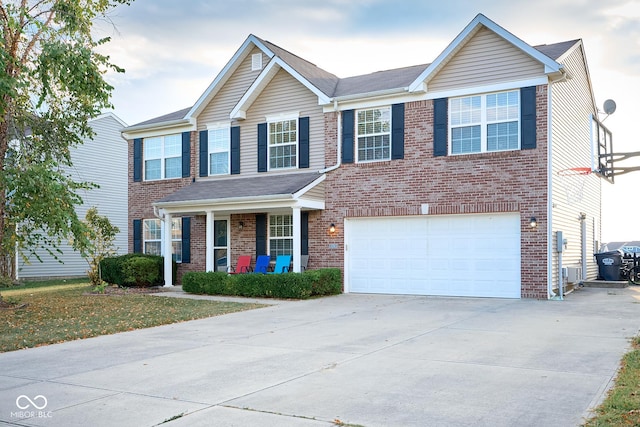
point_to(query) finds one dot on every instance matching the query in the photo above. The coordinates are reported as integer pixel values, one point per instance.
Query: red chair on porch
(243, 265)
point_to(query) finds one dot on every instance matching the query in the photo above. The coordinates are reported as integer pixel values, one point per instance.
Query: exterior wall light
(332, 229)
(533, 222)
(241, 225)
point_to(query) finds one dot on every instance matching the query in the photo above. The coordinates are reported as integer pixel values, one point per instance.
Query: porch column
(167, 251)
(297, 237)
(209, 242)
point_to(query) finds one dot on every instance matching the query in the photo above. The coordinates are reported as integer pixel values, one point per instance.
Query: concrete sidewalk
(370, 360)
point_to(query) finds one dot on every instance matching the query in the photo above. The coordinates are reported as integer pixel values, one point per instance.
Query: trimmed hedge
(326, 281)
(135, 270)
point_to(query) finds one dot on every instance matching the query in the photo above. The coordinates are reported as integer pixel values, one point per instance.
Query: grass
(65, 312)
(621, 408)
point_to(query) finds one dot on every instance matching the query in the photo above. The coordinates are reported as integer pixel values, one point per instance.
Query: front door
(221, 244)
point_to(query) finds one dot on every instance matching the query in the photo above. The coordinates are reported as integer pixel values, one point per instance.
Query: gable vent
(256, 62)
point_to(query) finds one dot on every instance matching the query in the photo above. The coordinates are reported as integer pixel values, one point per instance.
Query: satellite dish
(609, 106)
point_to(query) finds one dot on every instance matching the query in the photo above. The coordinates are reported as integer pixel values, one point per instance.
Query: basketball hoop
(573, 180)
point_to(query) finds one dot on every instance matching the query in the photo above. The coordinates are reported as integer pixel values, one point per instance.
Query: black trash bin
(609, 264)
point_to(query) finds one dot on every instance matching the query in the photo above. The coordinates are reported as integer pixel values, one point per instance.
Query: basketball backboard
(602, 162)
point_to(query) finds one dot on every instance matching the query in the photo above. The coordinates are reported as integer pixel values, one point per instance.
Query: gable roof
(321, 79)
(328, 86)
(472, 28)
(244, 50)
(557, 50)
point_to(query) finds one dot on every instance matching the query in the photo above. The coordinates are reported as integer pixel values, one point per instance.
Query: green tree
(51, 85)
(102, 234)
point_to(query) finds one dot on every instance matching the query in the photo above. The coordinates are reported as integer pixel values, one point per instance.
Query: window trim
(356, 134)
(483, 123)
(270, 237)
(218, 127)
(284, 117)
(174, 221)
(163, 158)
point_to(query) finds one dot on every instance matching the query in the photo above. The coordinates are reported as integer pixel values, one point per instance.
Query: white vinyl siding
(110, 198)
(485, 59)
(570, 147)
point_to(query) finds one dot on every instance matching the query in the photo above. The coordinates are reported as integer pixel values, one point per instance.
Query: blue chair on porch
(262, 264)
(282, 264)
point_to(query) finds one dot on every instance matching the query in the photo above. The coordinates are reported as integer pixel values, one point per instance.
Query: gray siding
(487, 58)
(571, 147)
(103, 161)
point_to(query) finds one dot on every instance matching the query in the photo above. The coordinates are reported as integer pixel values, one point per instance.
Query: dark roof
(323, 80)
(556, 50)
(270, 185)
(333, 86)
(379, 81)
(176, 115)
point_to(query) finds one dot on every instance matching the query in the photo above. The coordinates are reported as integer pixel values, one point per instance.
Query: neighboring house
(103, 161)
(418, 180)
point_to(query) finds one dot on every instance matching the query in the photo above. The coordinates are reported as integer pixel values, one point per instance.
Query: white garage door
(453, 255)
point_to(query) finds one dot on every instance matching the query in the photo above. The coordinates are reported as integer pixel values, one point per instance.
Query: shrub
(326, 281)
(112, 269)
(290, 285)
(141, 271)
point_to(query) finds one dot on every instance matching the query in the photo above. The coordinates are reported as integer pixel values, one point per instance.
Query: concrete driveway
(369, 360)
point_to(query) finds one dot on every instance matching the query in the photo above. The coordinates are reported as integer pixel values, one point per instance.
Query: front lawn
(69, 311)
(621, 408)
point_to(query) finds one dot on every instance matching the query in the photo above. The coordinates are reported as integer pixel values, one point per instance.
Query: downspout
(338, 142)
(550, 293)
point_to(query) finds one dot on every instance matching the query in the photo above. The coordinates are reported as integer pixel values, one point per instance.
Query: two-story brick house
(436, 179)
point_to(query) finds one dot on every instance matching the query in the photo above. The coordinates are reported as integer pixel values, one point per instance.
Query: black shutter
(186, 154)
(397, 131)
(304, 233)
(235, 150)
(440, 126)
(528, 118)
(262, 147)
(137, 236)
(186, 240)
(261, 234)
(137, 160)
(347, 136)
(204, 153)
(303, 142)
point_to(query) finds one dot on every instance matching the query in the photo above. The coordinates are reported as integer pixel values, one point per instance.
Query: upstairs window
(219, 142)
(163, 157)
(373, 128)
(283, 144)
(483, 123)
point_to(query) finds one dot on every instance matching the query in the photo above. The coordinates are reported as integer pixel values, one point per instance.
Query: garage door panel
(464, 255)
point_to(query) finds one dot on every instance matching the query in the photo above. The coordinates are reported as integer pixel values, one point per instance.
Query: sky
(172, 50)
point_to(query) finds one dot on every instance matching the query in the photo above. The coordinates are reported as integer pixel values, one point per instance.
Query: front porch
(242, 216)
